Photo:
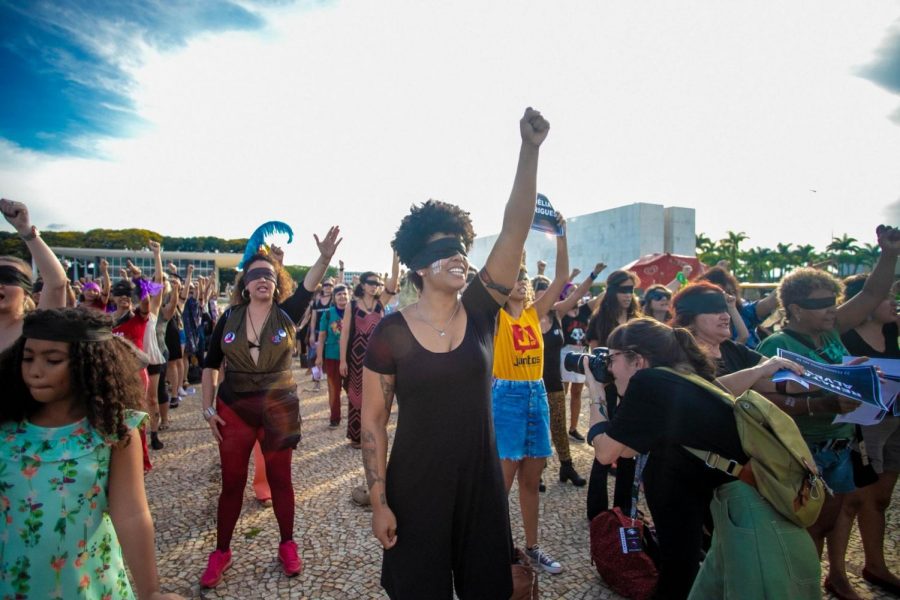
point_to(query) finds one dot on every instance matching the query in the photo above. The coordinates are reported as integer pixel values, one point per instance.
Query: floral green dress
(56, 537)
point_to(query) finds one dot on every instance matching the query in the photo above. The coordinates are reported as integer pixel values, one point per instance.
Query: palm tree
(731, 247)
(804, 255)
(869, 254)
(843, 250)
(781, 258)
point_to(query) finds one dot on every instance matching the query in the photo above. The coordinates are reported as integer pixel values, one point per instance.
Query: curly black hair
(425, 220)
(103, 375)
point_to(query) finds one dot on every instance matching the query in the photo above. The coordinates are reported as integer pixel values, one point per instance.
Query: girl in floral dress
(72, 499)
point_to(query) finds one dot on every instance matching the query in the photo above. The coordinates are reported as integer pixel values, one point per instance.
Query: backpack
(781, 466)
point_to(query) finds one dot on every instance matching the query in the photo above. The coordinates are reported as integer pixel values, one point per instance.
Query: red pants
(332, 370)
(235, 449)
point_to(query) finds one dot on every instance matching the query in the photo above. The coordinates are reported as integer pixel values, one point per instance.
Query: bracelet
(32, 233)
(595, 430)
(592, 276)
(209, 412)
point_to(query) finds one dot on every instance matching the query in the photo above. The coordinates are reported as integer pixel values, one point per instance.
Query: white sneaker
(541, 559)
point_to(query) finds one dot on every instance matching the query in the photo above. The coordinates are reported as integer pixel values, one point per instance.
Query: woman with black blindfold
(618, 306)
(439, 507)
(257, 399)
(366, 311)
(15, 275)
(814, 325)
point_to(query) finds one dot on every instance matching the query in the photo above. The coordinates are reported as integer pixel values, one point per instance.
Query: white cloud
(350, 113)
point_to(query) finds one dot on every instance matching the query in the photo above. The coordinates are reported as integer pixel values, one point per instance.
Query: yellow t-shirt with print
(519, 347)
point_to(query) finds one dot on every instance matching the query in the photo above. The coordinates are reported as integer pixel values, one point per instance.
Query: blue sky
(212, 117)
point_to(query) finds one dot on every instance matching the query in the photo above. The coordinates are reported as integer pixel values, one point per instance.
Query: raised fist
(17, 215)
(533, 127)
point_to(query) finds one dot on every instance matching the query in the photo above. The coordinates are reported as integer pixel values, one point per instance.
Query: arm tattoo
(387, 390)
(370, 462)
(601, 408)
(490, 284)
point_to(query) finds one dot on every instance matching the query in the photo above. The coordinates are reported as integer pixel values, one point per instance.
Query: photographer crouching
(671, 400)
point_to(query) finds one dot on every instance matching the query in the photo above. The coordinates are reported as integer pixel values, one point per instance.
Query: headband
(436, 250)
(260, 273)
(63, 330)
(10, 275)
(816, 303)
(90, 285)
(702, 304)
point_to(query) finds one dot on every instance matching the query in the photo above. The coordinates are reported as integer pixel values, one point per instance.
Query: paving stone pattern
(342, 559)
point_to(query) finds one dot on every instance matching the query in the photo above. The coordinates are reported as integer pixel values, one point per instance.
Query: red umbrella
(662, 267)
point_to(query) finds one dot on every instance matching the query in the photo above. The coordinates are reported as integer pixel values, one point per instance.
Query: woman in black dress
(439, 506)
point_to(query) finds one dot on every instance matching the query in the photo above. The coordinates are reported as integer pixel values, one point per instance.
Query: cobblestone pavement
(341, 558)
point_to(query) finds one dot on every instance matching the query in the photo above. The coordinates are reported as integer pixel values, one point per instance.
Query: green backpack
(782, 467)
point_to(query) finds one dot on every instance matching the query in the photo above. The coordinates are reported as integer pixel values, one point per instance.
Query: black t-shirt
(575, 328)
(553, 343)
(294, 306)
(661, 412)
(736, 357)
(857, 346)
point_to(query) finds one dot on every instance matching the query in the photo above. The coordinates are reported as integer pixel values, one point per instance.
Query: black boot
(155, 442)
(568, 472)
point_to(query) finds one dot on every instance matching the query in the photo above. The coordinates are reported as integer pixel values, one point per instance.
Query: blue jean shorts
(835, 467)
(521, 419)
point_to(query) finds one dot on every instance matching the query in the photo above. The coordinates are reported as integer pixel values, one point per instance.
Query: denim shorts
(835, 467)
(521, 419)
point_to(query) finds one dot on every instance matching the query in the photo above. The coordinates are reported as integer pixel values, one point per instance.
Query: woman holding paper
(876, 337)
(814, 325)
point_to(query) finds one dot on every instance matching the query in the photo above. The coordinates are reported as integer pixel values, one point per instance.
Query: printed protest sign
(858, 383)
(545, 217)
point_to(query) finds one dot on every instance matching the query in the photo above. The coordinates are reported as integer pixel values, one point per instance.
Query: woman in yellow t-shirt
(521, 411)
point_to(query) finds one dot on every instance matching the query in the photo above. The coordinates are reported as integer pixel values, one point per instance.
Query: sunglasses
(375, 283)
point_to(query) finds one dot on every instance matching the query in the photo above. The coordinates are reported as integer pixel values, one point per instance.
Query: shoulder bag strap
(710, 458)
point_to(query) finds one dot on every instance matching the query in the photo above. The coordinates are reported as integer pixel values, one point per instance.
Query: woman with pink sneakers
(257, 400)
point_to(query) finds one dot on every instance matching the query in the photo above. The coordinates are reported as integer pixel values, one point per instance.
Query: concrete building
(616, 237)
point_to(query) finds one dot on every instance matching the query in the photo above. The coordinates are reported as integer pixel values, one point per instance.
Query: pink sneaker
(218, 562)
(290, 562)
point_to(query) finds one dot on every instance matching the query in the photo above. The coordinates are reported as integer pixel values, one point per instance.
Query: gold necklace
(441, 332)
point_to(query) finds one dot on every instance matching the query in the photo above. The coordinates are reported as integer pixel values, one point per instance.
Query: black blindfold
(12, 276)
(436, 250)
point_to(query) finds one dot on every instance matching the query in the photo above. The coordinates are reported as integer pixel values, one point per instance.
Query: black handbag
(863, 472)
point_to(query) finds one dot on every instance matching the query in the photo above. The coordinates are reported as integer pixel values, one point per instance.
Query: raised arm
(560, 276)
(564, 306)
(378, 396)
(49, 267)
(169, 309)
(156, 301)
(391, 286)
(105, 281)
(327, 247)
(854, 311)
(502, 266)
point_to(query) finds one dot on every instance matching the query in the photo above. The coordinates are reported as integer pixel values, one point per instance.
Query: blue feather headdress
(266, 230)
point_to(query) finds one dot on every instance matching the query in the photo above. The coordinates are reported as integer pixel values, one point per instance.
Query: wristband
(592, 276)
(597, 429)
(681, 278)
(209, 412)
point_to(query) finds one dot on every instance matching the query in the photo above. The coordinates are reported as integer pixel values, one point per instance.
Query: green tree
(844, 251)
(731, 247)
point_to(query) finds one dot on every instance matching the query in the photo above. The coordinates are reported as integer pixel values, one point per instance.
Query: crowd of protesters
(480, 362)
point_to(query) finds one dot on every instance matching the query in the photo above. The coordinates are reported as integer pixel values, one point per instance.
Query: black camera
(598, 360)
